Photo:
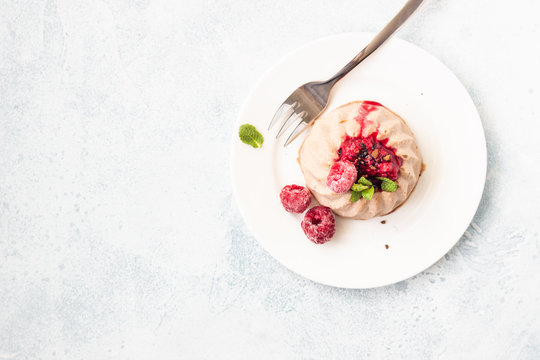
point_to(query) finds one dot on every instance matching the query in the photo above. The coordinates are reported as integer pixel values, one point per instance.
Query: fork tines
(288, 115)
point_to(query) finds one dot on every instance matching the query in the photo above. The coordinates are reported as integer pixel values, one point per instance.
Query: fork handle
(379, 39)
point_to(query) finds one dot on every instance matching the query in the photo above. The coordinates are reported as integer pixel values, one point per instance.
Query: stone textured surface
(119, 236)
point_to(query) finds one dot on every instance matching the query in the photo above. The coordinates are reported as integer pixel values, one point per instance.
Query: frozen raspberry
(349, 150)
(319, 224)
(341, 177)
(295, 198)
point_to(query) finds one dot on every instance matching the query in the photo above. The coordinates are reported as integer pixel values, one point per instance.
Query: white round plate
(439, 111)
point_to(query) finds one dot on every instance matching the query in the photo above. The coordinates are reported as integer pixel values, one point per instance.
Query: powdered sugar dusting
(341, 177)
(295, 198)
(319, 224)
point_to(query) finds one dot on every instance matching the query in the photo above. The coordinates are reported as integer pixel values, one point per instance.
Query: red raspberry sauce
(363, 112)
(370, 156)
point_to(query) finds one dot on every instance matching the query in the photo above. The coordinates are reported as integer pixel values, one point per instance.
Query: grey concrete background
(119, 236)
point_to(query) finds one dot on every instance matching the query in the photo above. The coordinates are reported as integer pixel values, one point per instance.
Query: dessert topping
(381, 160)
(365, 188)
(341, 177)
(387, 184)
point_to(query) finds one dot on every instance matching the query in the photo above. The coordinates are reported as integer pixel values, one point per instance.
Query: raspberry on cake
(374, 157)
(341, 177)
(376, 142)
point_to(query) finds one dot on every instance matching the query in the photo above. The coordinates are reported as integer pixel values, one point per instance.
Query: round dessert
(381, 147)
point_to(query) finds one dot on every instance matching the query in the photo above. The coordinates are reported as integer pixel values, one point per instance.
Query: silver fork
(308, 101)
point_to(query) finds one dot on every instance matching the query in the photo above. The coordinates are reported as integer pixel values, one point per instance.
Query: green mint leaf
(388, 185)
(355, 196)
(249, 135)
(368, 193)
(359, 187)
(364, 181)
